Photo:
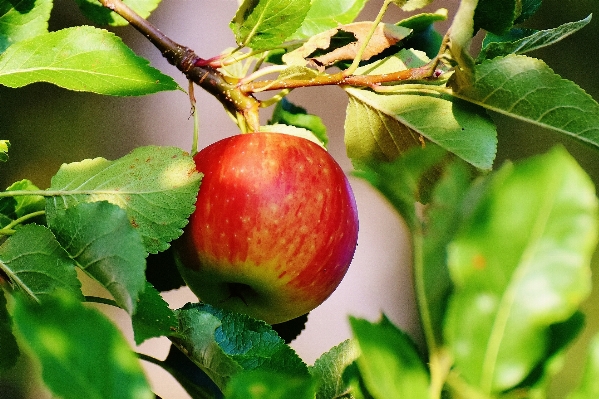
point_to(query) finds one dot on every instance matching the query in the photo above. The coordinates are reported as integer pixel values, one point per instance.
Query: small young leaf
(4, 146)
(529, 8)
(328, 370)
(82, 59)
(261, 24)
(290, 114)
(37, 265)
(99, 237)
(589, 385)
(292, 131)
(101, 15)
(519, 264)
(424, 37)
(527, 89)
(82, 354)
(26, 204)
(8, 343)
(520, 41)
(328, 14)
(152, 318)
(20, 20)
(388, 361)
(411, 5)
(156, 186)
(225, 343)
(496, 16)
(259, 384)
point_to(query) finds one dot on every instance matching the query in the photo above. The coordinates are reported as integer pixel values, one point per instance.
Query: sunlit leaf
(329, 367)
(36, 264)
(290, 114)
(388, 361)
(328, 14)
(520, 263)
(156, 186)
(527, 89)
(259, 384)
(82, 354)
(261, 24)
(99, 237)
(24, 19)
(82, 59)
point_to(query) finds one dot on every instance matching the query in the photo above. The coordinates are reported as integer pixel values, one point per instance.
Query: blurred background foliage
(48, 126)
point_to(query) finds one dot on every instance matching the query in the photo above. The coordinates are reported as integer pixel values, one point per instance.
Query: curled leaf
(385, 36)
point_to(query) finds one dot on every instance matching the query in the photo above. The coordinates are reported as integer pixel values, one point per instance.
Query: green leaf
(156, 186)
(8, 343)
(37, 265)
(496, 16)
(82, 59)
(519, 264)
(527, 89)
(262, 24)
(152, 318)
(224, 343)
(329, 367)
(382, 126)
(101, 15)
(520, 41)
(99, 237)
(442, 217)
(81, 353)
(412, 5)
(24, 19)
(290, 114)
(328, 14)
(26, 204)
(4, 146)
(403, 182)
(388, 361)
(259, 384)
(589, 385)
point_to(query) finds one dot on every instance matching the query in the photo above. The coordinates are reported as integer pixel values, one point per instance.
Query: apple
(275, 226)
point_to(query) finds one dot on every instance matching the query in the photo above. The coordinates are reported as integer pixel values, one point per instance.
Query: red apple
(275, 226)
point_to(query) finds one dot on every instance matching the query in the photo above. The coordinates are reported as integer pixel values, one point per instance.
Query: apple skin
(275, 226)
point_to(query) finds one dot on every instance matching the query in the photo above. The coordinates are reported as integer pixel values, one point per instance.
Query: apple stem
(194, 67)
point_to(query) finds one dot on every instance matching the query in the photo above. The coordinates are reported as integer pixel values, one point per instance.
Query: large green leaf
(8, 343)
(23, 19)
(388, 361)
(262, 24)
(527, 89)
(99, 237)
(156, 186)
(519, 264)
(224, 343)
(82, 59)
(328, 14)
(383, 126)
(103, 16)
(37, 265)
(520, 41)
(81, 353)
(259, 384)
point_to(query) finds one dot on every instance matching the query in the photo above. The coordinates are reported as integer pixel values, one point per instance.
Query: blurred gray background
(48, 126)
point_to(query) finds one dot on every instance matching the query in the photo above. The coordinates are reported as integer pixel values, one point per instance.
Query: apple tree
(501, 254)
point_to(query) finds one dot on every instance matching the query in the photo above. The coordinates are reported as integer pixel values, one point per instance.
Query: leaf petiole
(8, 229)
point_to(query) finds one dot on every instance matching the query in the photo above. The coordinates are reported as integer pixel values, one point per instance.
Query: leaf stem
(8, 229)
(103, 301)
